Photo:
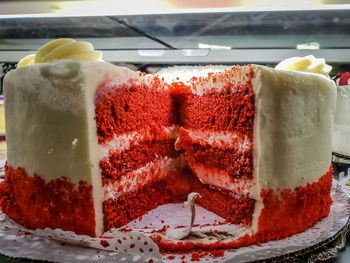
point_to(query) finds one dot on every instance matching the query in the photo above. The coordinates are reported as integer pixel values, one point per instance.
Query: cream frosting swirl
(306, 64)
(63, 48)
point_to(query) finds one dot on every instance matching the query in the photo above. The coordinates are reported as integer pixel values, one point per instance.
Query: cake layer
(172, 187)
(219, 112)
(34, 203)
(151, 172)
(228, 153)
(222, 179)
(235, 208)
(119, 164)
(125, 108)
(123, 142)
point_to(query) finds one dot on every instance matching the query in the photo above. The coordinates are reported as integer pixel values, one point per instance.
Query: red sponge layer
(34, 203)
(236, 209)
(127, 108)
(294, 211)
(173, 188)
(236, 163)
(219, 112)
(137, 156)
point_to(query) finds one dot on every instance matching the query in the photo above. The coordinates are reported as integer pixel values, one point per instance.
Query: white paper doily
(60, 246)
(344, 179)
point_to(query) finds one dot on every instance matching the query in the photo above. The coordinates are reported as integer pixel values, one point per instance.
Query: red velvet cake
(103, 145)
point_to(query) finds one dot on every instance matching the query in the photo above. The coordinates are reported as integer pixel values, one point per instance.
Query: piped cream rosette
(63, 48)
(306, 64)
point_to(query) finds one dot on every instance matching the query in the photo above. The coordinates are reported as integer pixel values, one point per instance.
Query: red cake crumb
(130, 107)
(195, 256)
(60, 204)
(104, 243)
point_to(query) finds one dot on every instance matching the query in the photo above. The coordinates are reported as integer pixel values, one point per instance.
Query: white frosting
(341, 133)
(221, 179)
(62, 48)
(293, 127)
(306, 64)
(221, 139)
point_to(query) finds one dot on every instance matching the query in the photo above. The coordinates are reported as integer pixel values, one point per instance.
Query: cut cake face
(94, 146)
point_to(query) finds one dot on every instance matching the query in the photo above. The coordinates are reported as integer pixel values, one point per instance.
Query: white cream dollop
(63, 48)
(306, 64)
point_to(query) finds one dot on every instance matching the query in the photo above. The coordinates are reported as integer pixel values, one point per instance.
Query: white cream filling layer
(151, 172)
(123, 142)
(222, 179)
(222, 139)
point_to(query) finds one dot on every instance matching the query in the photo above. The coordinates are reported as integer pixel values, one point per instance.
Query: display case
(148, 36)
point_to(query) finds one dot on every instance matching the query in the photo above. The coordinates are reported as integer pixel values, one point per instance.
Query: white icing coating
(221, 139)
(341, 133)
(293, 127)
(147, 174)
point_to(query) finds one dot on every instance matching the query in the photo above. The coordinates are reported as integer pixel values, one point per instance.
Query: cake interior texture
(95, 146)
